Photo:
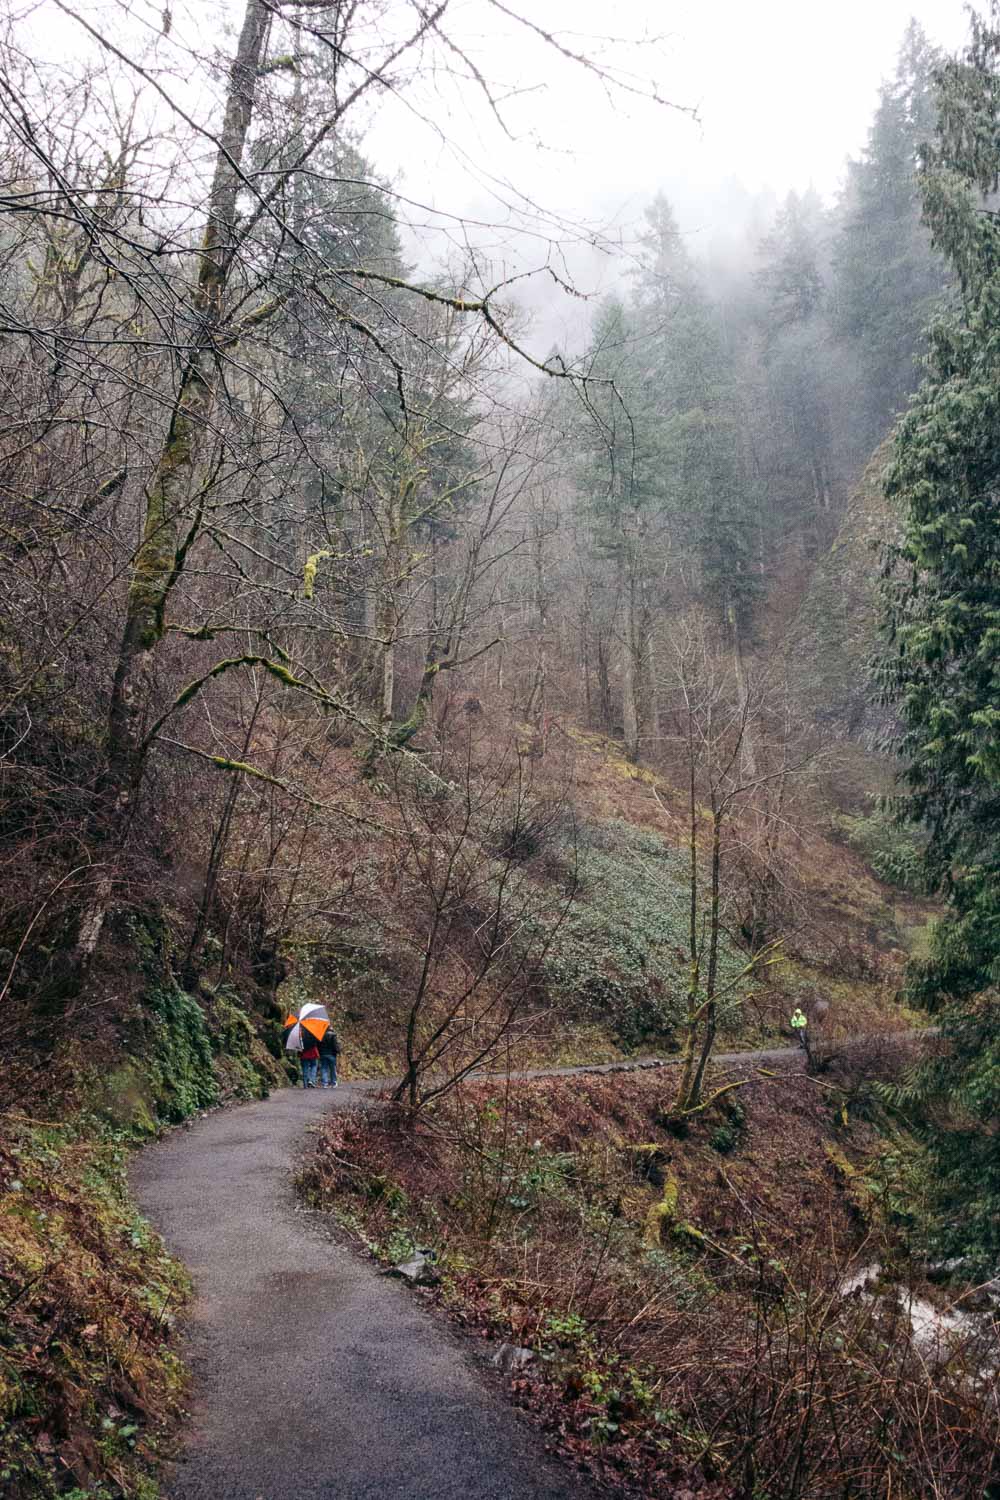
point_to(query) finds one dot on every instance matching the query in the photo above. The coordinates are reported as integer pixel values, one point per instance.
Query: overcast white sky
(784, 91)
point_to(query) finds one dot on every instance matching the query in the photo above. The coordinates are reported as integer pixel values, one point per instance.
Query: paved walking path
(314, 1377)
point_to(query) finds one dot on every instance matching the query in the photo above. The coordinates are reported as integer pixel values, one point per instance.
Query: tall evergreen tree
(887, 276)
(689, 376)
(943, 669)
(799, 364)
(791, 273)
(622, 478)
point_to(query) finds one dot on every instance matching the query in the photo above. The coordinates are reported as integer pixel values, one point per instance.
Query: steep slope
(156, 1047)
(682, 1305)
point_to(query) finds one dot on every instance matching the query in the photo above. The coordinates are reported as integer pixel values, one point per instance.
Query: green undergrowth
(620, 954)
(611, 909)
(89, 1384)
(187, 1052)
(176, 1053)
(243, 1065)
(179, 1055)
(893, 851)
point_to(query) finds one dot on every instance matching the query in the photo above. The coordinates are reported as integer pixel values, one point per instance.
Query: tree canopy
(942, 667)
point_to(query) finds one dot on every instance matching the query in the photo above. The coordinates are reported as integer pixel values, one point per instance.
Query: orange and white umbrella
(308, 1025)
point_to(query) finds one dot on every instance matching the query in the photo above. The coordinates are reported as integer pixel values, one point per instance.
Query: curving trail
(315, 1378)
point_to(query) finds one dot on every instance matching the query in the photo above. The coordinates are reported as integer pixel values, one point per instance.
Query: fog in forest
(770, 98)
(499, 597)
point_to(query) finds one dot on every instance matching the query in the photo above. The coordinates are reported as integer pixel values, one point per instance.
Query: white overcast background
(784, 92)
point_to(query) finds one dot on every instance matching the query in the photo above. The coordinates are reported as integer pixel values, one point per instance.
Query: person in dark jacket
(309, 1058)
(329, 1051)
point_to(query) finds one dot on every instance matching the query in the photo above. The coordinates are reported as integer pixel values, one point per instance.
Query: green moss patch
(89, 1385)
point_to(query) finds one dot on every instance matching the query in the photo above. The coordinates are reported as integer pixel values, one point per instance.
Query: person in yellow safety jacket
(798, 1023)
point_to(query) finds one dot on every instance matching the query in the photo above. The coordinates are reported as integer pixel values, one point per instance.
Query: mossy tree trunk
(217, 852)
(702, 1019)
(747, 750)
(651, 678)
(397, 510)
(716, 720)
(388, 611)
(694, 943)
(711, 1017)
(630, 676)
(605, 716)
(170, 508)
(636, 644)
(450, 606)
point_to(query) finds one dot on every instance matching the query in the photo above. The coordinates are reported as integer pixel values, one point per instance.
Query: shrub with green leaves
(729, 1133)
(939, 670)
(621, 949)
(178, 1049)
(186, 1051)
(894, 850)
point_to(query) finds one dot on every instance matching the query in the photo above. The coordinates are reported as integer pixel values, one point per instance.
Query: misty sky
(784, 91)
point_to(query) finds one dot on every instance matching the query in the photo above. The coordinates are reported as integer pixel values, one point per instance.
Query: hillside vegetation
(526, 709)
(671, 1305)
(90, 1382)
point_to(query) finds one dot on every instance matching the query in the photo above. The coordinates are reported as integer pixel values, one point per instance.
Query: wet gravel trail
(314, 1376)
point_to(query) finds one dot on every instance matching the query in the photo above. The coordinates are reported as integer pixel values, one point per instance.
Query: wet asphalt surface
(315, 1377)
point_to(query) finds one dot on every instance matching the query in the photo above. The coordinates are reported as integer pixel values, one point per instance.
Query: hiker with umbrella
(306, 1028)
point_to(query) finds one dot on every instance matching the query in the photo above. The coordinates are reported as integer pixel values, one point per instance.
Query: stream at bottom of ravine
(967, 1327)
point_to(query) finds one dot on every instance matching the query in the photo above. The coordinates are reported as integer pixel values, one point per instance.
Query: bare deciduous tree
(715, 713)
(485, 922)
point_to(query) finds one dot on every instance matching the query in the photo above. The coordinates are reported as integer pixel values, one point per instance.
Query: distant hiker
(329, 1051)
(309, 1057)
(799, 1024)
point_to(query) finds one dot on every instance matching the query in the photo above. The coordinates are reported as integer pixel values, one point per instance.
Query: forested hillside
(525, 707)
